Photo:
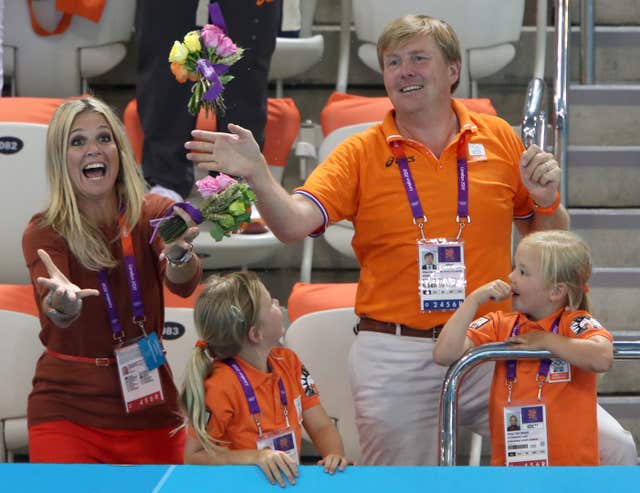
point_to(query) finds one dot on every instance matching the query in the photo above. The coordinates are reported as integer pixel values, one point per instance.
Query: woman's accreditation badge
(141, 387)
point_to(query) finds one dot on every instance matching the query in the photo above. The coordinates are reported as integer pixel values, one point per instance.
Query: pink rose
(225, 181)
(210, 185)
(210, 35)
(226, 47)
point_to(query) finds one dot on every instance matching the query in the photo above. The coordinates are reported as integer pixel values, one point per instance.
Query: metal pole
(533, 127)
(560, 91)
(345, 48)
(492, 352)
(586, 42)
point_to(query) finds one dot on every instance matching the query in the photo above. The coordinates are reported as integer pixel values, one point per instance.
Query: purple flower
(210, 185)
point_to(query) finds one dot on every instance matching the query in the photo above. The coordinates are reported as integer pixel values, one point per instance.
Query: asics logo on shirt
(391, 160)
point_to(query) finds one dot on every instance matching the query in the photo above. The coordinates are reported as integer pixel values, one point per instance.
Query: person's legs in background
(162, 100)
(396, 393)
(616, 445)
(255, 28)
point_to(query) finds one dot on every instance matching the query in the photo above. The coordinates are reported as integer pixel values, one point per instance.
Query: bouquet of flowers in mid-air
(203, 57)
(226, 205)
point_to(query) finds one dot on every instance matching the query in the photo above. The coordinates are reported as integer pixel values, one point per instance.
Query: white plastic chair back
(23, 192)
(486, 29)
(179, 338)
(294, 56)
(19, 351)
(55, 66)
(322, 341)
(338, 235)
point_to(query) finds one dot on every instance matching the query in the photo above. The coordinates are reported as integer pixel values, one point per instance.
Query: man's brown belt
(371, 325)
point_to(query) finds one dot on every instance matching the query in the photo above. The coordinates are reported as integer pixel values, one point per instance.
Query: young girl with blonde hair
(555, 399)
(245, 399)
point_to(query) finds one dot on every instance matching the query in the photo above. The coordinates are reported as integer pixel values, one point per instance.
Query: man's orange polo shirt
(572, 429)
(232, 422)
(359, 181)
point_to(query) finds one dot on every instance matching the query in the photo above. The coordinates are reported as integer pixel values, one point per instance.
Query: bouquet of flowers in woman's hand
(226, 205)
(203, 57)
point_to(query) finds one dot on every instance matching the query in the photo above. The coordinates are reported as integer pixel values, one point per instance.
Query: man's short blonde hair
(399, 31)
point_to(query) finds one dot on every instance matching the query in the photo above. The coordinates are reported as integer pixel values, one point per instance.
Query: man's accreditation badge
(141, 387)
(441, 274)
(525, 435)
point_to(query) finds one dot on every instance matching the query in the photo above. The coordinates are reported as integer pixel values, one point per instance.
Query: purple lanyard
(419, 216)
(543, 369)
(250, 395)
(134, 286)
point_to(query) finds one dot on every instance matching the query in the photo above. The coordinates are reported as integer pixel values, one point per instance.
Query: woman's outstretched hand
(64, 297)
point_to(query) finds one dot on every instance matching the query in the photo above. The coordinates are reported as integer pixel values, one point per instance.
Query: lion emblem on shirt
(308, 385)
(583, 323)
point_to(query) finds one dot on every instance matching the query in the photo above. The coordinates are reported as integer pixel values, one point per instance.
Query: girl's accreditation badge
(441, 277)
(284, 441)
(141, 387)
(525, 435)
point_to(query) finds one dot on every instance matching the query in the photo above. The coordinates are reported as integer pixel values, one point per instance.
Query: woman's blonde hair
(224, 312)
(86, 242)
(401, 30)
(565, 258)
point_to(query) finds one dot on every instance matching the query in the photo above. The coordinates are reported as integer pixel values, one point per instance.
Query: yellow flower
(178, 52)
(192, 41)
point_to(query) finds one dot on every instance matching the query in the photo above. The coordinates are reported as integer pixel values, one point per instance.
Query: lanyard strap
(133, 281)
(250, 395)
(417, 211)
(545, 364)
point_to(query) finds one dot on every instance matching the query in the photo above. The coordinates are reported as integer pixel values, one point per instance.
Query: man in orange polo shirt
(432, 176)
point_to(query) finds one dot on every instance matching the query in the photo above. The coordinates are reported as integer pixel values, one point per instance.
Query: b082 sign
(10, 145)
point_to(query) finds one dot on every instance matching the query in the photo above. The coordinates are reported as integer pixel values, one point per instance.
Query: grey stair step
(611, 12)
(612, 235)
(614, 294)
(605, 94)
(604, 114)
(621, 406)
(588, 165)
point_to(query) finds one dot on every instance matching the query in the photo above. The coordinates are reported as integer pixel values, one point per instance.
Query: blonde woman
(248, 404)
(554, 399)
(102, 392)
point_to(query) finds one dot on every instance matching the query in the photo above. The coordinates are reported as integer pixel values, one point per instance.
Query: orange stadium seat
(283, 123)
(344, 109)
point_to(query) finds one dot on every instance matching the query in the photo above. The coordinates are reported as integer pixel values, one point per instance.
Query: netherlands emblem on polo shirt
(308, 385)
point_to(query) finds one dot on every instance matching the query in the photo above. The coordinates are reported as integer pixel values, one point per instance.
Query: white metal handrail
(492, 352)
(560, 111)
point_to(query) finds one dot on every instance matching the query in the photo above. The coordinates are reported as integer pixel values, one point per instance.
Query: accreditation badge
(525, 435)
(441, 274)
(559, 371)
(141, 387)
(284, 440)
